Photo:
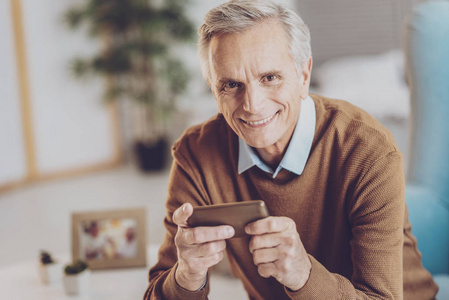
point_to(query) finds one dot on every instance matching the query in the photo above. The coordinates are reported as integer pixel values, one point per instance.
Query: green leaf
(75, 268)
(74, 17)
(140, 36)
(46, 258)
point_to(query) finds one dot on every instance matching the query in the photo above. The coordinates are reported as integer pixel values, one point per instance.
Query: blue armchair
(426, 45)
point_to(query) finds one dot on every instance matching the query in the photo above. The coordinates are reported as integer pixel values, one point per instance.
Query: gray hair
(239, 15)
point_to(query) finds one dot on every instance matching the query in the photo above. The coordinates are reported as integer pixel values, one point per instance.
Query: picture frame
(110, 239)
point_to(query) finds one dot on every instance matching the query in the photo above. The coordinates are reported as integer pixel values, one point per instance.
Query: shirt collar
(298, 150)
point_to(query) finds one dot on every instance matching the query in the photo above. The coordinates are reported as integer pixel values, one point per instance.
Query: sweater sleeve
(183, 187)
(376, 212)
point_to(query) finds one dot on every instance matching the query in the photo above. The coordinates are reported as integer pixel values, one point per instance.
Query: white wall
(12, 163)
(70, 126)
(353, 27)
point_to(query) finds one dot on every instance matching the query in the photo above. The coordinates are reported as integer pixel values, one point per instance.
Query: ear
(306, 71)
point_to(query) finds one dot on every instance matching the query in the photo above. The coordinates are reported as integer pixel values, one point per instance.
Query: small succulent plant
(75, 268)
(46, 258)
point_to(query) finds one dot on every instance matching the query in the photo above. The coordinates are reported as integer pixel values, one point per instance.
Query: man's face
(256, 85)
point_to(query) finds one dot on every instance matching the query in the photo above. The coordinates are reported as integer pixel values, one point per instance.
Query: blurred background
(92, 97)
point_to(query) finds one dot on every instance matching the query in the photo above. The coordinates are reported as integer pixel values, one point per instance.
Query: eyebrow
(226, 80)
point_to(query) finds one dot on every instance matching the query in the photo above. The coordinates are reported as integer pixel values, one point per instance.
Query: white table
(21, 282)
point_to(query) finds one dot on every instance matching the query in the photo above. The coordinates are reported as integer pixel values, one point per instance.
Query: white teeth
(261, 121)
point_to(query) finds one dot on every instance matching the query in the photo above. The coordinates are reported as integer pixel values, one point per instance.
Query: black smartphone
(236, 214)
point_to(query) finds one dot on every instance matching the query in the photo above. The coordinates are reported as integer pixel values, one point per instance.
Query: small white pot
(50, 273)
(78, 283)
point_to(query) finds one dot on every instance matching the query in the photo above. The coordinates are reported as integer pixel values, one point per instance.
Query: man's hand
(278, 251)
(198, 248)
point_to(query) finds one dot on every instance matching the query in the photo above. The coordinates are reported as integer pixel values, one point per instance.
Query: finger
(201, 235)
(269, 240)
(269, 225)
(267, 270)
(268, 255)
(204, 262)
(210, 248)
(214, 259)
(182, 214)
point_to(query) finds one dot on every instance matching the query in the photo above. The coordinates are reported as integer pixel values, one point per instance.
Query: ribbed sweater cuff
(320, 285)
(172, 290)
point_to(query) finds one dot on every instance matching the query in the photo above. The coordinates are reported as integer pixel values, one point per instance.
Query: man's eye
(231, 86)
(270, 79)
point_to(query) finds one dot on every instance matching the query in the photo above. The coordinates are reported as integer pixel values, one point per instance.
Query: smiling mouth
(260, 122)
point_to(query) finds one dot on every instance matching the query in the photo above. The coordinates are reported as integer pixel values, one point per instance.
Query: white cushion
(374, 83)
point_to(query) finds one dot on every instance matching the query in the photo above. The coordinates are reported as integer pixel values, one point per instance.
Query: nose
(253, 101)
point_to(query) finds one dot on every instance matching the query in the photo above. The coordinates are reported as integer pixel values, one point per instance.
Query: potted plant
(138, 63)
(49, 270)
(76, 278)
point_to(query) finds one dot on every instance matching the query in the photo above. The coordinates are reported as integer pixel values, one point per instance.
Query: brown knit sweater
(348, 206)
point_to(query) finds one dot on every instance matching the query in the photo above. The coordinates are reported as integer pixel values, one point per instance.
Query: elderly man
(330, 175)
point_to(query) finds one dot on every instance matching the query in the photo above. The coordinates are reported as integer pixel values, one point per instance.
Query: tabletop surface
(21, 281)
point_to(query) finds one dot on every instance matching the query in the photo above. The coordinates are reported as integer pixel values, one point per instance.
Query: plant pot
(50, 273)
(77, 284)
(151, 157)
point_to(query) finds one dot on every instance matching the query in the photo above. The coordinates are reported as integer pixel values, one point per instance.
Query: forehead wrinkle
(252, 66)
(252, 55)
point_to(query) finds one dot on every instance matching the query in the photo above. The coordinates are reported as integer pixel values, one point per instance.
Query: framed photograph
(110, 239)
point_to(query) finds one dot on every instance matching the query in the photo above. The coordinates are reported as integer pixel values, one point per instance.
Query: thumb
(182, 214)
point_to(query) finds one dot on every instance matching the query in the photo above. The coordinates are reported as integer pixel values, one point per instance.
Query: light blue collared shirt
(298, 150)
